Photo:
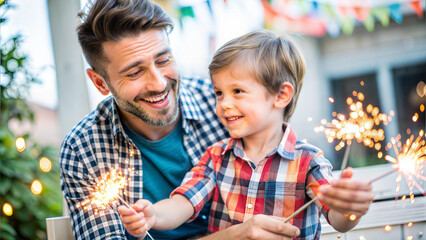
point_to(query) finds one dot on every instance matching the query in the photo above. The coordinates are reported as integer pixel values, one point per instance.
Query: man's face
(143, 78)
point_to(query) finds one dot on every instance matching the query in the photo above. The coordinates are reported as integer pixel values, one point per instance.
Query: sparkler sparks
(359, 125)
(409, 162)
(107, 192)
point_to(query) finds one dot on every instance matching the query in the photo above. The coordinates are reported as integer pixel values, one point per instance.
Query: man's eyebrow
(165, 51)
(130, 66)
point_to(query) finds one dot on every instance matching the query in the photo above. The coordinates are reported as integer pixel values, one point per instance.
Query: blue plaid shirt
(98, 144)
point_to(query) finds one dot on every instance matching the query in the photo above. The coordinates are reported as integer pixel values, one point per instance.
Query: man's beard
(134, 108)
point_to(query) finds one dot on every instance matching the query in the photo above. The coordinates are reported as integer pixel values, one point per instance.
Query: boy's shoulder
(307, 147)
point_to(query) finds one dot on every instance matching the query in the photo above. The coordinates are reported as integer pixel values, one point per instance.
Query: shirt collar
(190, 108)
(285, 149)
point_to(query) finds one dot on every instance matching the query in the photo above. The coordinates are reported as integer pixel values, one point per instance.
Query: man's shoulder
(197, 84)
(89, 126)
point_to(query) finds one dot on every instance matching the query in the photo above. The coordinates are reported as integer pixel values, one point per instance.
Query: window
(410, 94)
(342, 88)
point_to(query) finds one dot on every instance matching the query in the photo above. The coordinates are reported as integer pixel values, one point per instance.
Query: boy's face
(142, 77)
(244, 105)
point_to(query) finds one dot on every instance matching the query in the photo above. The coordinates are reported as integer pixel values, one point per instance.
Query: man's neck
(147, 131)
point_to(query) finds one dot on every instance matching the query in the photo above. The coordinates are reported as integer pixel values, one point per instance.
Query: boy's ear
(284, 96)
(98, 81)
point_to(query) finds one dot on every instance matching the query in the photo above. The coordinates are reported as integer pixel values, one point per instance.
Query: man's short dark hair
(111, 20)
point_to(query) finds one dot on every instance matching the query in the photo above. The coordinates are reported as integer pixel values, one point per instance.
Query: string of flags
(321, 17)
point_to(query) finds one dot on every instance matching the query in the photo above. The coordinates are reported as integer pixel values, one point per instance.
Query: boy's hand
(139, 220)
(348, 196)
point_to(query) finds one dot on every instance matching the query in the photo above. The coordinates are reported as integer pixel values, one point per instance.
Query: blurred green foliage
(19, 169)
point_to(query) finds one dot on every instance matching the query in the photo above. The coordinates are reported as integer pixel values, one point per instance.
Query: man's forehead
(151, 43)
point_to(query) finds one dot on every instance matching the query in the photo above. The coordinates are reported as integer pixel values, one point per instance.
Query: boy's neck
(257, 147)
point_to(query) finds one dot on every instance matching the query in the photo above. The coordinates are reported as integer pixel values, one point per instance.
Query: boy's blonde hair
(274, 60)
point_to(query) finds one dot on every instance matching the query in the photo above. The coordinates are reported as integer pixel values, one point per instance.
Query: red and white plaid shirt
(281, 183)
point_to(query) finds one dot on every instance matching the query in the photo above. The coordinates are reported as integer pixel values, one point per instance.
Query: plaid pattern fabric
(98, 144)
(279, 185)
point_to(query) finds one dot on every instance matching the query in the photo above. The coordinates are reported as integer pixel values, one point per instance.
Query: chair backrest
(59, 228)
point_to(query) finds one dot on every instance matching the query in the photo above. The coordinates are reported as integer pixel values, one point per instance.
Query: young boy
(262, 168)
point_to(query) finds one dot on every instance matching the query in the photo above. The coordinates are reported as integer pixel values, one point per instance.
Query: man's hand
(346, 197)
(140, 219)
(258, 227)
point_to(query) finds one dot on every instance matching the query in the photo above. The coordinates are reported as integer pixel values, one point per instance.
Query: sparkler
(359, 126)
(107, 192)
(409, 162)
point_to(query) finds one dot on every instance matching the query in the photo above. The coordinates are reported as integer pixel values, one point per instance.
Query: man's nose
(155, 80)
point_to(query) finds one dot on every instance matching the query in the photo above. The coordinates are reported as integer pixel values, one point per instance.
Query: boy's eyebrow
(165, 51)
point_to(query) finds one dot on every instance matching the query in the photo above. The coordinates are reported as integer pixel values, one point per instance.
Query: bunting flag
(395, 12)
(417, 8)
(338, 15)
(320, 17)
(382, 14)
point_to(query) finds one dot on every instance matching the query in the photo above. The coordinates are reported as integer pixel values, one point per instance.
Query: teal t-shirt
(165, 163)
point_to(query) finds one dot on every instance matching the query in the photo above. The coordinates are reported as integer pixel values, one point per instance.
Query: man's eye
(163, 62)
(133, 74)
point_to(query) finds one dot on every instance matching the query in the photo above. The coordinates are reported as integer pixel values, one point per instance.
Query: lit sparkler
(107, 193)
(409, 161)
(359, 126)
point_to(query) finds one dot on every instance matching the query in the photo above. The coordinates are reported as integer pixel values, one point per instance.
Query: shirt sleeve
(319, 174)
(77, 185)
(199, 183)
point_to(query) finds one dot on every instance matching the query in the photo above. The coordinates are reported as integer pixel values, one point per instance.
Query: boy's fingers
(274, 226)
(125, 211)
(140, 204)
(131, 226)
(347, 173)
(344, 194)
(351, 184)
(132, 218)
(357, 208)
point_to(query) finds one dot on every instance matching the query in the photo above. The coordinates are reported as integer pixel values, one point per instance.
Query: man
(154, 128)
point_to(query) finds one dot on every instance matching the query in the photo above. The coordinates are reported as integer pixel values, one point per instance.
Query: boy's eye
(218, 93)
(238, 91)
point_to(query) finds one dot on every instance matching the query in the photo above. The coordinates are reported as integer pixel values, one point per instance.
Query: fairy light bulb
(20, 144)
(36, 187)
(45, 164)
(7, 209)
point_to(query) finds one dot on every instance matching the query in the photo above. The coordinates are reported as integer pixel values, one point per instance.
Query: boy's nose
(226, 103)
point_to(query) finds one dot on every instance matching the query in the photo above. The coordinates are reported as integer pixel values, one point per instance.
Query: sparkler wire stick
(315, 198)
(128, 205)
(345, 157)
(382, 176)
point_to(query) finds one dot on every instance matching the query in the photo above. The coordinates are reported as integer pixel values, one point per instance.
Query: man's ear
(98, 81)
(284, 96)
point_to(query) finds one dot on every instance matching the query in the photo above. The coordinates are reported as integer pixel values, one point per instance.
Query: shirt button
(204, 217)
(249, 206)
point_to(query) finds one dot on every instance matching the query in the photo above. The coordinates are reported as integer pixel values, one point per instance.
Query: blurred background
(371, 51)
